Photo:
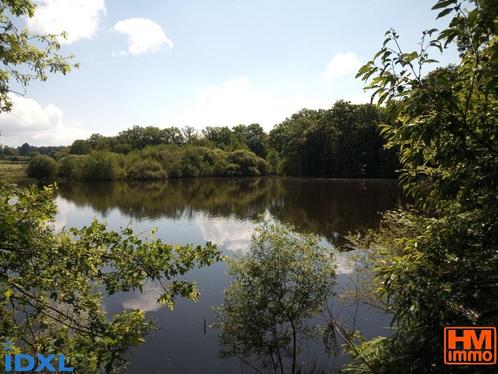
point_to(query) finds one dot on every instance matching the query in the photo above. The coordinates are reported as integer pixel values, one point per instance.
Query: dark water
(223, 211)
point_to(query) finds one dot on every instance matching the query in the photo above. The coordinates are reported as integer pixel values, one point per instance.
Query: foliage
(52, 283)
(246, 163)
(446, 122)
(42, 166)
(70, 167)
(140, 137)
(254, 137)
(25, 56)
(25, 151)
(161, 161)
(80, 147)
(340, 142)
(101, 166)
(146, 169)
(285, 279)
(435, 265)
(7, 152)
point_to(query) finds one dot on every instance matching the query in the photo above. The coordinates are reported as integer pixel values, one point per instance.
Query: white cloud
(342, 64)
(144, 35)
(79, 18)
(145, 300)
(36, 124)
(236, 101)
(229, 234)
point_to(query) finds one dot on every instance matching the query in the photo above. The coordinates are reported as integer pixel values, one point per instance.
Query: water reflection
(221, 211)
(323, 207)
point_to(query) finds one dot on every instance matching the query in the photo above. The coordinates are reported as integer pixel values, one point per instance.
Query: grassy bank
(12, 169)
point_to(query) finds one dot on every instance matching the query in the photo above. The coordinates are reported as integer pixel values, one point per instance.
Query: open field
(12, 170)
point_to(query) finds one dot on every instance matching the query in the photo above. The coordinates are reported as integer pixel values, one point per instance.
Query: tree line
(343, 141)
(430, 265)
(26, 151)
(150, 163)
(434, 264)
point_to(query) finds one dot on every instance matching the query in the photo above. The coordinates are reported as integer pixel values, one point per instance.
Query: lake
(224, 211)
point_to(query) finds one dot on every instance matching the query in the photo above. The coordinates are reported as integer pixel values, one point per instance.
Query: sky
(203, 62)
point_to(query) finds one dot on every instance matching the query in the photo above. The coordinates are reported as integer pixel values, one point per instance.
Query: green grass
(12, 170)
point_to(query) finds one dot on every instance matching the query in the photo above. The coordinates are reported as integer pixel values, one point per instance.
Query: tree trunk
(294, 347)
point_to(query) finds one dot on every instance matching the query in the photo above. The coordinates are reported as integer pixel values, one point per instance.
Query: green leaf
(444, 13)
(443, 4)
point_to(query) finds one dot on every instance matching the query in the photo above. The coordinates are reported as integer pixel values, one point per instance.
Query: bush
(69, 274)
(162, 161)
(146, 169)
(249, 164)
(283, 282)
(70, 166)
(101, 166)
(42, 166)
(80, 147)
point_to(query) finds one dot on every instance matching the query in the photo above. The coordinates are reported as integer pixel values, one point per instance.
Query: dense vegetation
(25, 151)
(343, 141)
(42, 166)
(282, 282)
(153, 162)
(430, 265)
(435, 264)
(52, 283)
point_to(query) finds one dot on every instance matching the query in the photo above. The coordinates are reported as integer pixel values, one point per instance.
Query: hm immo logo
(470, 345)
(21, 362)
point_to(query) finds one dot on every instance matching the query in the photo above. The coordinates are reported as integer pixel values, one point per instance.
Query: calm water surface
(223, 211)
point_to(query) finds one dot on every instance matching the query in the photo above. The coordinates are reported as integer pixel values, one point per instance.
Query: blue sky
(202, 63)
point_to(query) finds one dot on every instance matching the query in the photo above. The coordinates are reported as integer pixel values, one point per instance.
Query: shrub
(70, 166)
(102, 165)
(146, 169)
(52, 278)
(80, 147)
(249, 164)
(162, 161)
(42, 166)
(278, 286)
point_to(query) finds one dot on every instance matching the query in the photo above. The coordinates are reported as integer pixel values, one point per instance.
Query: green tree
(42, 166)
(252, 136)
(25, 56)
(247, 163)
(102, 166)
(140, 137)
(80, 147)
(343, 141)
(99, 142)
(284, 280)
(288, 138)
(7, 151)
(70, 166)
(190, 134)
(435, 264)
(221, 137)
(52, 284)
(25, 149)
(146, 169)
